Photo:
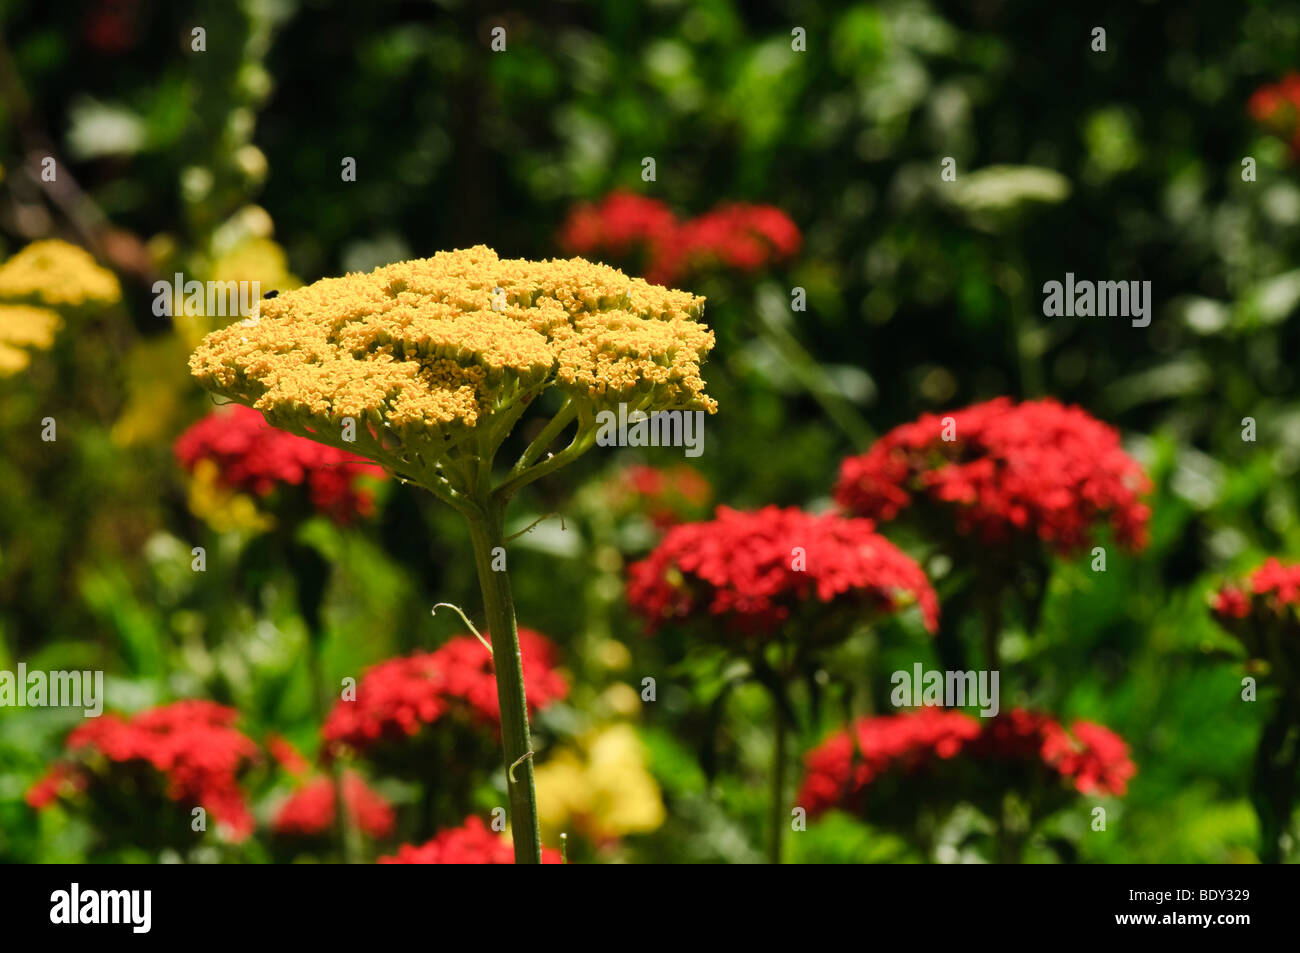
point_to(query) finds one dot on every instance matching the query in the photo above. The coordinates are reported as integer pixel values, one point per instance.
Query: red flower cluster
(1094, 760)
(1270, 588)
(1010, 469)
(191, 743)
(753, 569)
(839, 771)
(471, 843)
(1277, 106)
(310, 810)
(61, 779)
(619, 225)
(1090, 757)
(254, 457)
(734, 235)
(398, 697)
(286, 755)
(664, 493)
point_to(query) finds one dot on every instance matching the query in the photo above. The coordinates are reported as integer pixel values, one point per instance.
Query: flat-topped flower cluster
(440, 345)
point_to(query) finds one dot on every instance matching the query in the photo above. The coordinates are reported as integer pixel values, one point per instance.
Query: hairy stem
(499, 607)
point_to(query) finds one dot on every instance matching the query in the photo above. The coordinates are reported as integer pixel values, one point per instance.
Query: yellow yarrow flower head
(55, 274)
(435, 359)
(24, 329)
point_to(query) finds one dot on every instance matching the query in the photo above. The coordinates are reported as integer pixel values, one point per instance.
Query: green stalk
(485, 529)
(778, 782)
(812, 377)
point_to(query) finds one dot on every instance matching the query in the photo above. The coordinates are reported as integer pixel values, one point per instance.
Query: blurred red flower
(663, 493)
(1036, 468)
(1263, 612)
(310, 810)
(254, 457)
(735, 235)
(1277, 107)
(471, 843)
(1090, 757)
(192, 744)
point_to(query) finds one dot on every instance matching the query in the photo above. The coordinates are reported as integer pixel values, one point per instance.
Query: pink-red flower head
(735, 235)
(397, 698)
(1276, 106)
(1263, 612)
(1090, 758)
(309, 811)
(193, 745)
(1273, 589)
(471, 843)
(664, 494)
(752, 571)
(253, 457)
(1038, 469)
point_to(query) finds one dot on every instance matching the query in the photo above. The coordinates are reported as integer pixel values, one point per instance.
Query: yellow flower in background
(55, 274)
(601, 789)
(12, 360)
(157, 379)
(257, 259)
(222, 508)
(24, 329)
(156, 383)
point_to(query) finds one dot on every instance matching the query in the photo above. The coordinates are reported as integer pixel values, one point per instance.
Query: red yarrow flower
(310, 810)
(60, 780)
(192, 744)
(663, 493)
(735, 235)
(1272, 589)
(254, 457)
(471, 843)
(841, 768)
(752, 571)
(621, 223)
(396, 698)
(1263, 612)
(1277, 107)
(1091, 758)
(286, 755)
(1038, 468)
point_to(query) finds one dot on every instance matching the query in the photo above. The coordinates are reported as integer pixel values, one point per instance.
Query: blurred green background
(922, 295)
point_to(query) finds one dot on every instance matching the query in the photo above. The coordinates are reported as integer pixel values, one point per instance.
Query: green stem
(1274, 789)
(321, 704)
(991, 615)
(1009, 835)
(812, 377)
(486, 535)
(778, 781)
